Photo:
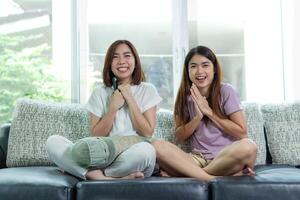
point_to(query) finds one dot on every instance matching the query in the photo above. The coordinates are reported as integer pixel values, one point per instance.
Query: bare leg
(97, 174)
(176, 162)
(233, 159)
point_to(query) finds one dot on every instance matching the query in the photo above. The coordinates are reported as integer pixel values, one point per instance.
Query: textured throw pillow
(282, 123)
(165, 129)
(255, 127)
(34, 121)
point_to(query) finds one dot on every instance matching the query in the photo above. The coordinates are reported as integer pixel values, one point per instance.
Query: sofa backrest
(282, 124)
(255, 129)
(4, 132)
(34, 121)
(165, 129)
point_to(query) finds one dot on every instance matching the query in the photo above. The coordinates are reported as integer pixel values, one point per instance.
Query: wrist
(130, 101)
(210, 115)
(198, 118)
(112, 109)
(128, 98)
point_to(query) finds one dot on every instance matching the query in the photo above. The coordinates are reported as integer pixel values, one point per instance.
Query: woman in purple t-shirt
(208, 114)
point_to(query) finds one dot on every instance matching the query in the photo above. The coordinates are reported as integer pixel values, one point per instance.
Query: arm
(102, 126)
(184, 131)
(235, 125)
(143, 123)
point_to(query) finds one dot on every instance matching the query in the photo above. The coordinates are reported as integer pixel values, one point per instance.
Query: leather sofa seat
(271, 182)
(146, 189)
(36, 183)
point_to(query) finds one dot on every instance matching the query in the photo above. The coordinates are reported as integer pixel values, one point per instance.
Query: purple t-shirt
(208, 139)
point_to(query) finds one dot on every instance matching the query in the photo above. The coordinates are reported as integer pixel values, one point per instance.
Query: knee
(160, 147)
(157, 144)
(248, 148)
(51, 142)
(145, 153)
(56, 145)
(148, 151)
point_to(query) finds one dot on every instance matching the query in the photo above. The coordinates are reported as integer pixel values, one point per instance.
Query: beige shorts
(200, 160)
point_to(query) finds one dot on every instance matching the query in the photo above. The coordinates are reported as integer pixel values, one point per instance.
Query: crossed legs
(178, 163)
(136, 162)
(231, 160)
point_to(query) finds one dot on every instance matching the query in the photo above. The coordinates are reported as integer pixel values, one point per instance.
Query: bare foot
(240, 173)
(247, 171)
(97, 174)
(134, 175)
(164, 173)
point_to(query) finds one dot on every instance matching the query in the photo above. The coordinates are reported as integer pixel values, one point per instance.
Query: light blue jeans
(139, 157)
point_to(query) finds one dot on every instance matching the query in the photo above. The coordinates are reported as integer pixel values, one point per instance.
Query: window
(40, 41)
(28, 66)
(248, 45)
(150, 32)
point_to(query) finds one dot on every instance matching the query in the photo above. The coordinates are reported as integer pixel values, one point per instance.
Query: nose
(199, 69)
(121, 60)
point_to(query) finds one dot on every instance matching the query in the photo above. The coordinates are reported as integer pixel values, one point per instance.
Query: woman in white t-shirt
(128, 108)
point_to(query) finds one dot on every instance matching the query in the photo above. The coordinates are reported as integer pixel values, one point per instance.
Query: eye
(206, 65)
(115, 56)
(192, 66)
(127, 56)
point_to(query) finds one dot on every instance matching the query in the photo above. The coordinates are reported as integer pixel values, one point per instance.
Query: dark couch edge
(4, 133)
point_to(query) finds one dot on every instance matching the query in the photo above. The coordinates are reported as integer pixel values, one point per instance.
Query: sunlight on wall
(263, 52)
(116, 11)
(9, 7)
(61, 40)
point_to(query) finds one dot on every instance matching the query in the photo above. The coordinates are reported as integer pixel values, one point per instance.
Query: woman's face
(201, 72)
(123, 63)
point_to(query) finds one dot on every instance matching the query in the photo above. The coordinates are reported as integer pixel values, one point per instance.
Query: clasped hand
(119, 96)
(201, 104)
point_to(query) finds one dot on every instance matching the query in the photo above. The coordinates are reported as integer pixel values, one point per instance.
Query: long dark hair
(137, 75)
(185, 85)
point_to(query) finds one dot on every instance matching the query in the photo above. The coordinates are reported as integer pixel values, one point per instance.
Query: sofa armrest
(4, 133)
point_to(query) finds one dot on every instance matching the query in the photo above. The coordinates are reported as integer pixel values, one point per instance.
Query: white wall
(263, 52)
(296, 52)
(61, 42)
(291, 47)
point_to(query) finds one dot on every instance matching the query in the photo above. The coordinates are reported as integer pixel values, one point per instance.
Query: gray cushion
(165, 129)
(255, 127)
(282, 123)
(34, 121)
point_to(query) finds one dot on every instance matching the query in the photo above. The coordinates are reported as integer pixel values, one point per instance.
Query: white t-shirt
(145, 95)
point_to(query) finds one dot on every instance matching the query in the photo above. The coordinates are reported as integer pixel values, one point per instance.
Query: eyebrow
(127, 52)
(206, 62)
(203, 63)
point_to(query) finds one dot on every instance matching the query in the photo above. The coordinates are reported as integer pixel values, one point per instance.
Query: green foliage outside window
(24, 72)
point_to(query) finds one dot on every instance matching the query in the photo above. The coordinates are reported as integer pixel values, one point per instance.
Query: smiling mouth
(200, 78)
(123, 69)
